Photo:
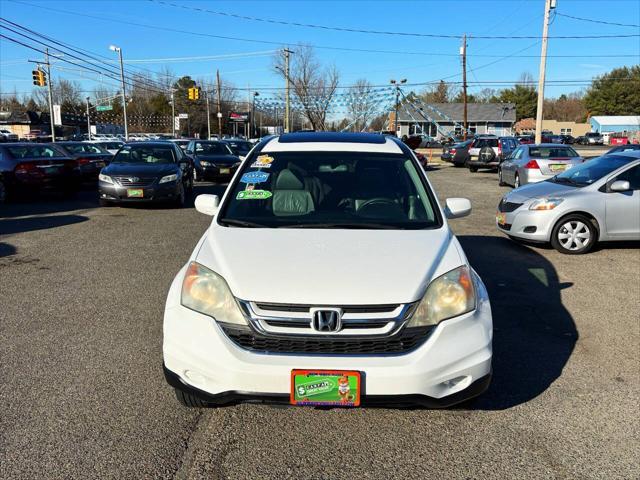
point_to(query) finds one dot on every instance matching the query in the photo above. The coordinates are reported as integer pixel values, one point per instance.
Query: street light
(113, 48)
(397, 84)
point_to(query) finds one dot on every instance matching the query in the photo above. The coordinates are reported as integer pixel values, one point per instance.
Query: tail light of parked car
(26, 168)
(532, 164)
(499, 148)
(83, 161)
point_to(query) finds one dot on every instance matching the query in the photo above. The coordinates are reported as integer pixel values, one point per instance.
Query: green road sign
(103, 108)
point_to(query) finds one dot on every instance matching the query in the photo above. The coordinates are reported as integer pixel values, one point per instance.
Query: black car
(89, 156)
(624, 148)
(213, 160)
(568, 139)
(35, 167)
(147, 172)
(455, 153)
(239, 148)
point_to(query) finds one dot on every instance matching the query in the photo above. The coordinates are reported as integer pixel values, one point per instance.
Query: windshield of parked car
(240, 148)
(212, 148)
(330, 190)
(34, 151)
(485, 142)
(144, 154)
(76, 148)
(593, 134)
(552, 152)
(592, 171)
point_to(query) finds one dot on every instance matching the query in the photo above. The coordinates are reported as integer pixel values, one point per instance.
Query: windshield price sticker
(263, 161)
(254, 177)
(253, 195)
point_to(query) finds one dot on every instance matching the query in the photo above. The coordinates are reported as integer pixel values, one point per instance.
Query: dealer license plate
(558, 167)
(135, 192)
(333, 388)
(225, 170)
(501, 218)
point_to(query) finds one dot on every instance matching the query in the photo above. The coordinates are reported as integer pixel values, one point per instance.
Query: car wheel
(516, 182)
(181, 197)
(573, 235)
(473, 169)
(3, 193)
(500, 181)
(190, 185)
(196, 176)
(189, 400)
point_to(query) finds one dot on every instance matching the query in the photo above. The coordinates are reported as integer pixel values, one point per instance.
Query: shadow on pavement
(534, 334)
(20, 225)
(42, 204)
(7, 250)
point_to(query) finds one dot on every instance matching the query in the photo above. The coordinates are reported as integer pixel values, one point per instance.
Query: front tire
(473, 169)
(3, 193)
(189, 400)
(574, 235)
(500, 180)
(181, 197)
(516, 182)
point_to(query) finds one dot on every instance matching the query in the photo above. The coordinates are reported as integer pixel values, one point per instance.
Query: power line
(376, 32)
(279, 44)
(602, 22)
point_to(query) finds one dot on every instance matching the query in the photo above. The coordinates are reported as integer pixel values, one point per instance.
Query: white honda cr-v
(328, 276)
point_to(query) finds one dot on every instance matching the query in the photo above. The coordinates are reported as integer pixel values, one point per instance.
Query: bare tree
(361, 104)
(313, 86)
(526, 80)
(65, 93)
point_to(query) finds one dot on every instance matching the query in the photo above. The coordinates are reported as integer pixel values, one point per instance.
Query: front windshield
(144, 154)
(240, 148)
(212, 148)
(83, 148)
(330, 190)
(586, 173)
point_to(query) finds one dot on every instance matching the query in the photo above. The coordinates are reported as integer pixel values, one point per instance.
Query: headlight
(448, 296)
(206, 292)
(105, 178)
(169, 178)
(205, 164)
(545, 203)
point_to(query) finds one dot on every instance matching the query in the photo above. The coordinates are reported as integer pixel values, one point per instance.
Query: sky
(96, 24)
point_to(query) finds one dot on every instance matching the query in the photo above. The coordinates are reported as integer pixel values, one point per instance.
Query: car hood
(538, 190)
(142, 169)
(329, 267)
(231, 159)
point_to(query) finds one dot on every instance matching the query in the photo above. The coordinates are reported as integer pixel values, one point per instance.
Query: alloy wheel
(516, 183)
(574, 235)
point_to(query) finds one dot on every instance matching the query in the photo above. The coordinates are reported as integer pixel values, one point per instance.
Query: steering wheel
(381, 207)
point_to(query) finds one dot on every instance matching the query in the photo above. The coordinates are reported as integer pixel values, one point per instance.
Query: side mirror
(457, 207)
(620, 186)
(207, 204)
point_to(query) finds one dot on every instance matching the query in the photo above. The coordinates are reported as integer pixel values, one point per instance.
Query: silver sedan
(535, 163)
(596, 201)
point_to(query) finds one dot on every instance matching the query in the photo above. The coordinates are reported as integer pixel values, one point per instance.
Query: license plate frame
(325, 396)
(135, 193)
(225, 171)
(558, 167)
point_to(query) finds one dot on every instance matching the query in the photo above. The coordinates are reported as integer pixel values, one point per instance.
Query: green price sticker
(253, 195)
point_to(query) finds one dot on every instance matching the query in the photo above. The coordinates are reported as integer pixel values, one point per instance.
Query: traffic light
(39, 78)
(194, 93)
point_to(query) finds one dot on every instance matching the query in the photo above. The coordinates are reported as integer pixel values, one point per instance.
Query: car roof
(554, 145)
(332, 142)
(154, 143)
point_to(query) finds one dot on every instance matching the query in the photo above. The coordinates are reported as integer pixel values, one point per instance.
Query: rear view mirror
(207, 204)
(457, 207)
(620, 186)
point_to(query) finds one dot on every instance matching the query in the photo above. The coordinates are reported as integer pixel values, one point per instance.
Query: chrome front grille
(296, 319)
(134, 181)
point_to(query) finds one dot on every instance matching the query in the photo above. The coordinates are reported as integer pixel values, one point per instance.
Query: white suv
(328, 276)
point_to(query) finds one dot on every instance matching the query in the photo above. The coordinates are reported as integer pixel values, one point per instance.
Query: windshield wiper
(372, 226)
(240, 223)
(568, 181)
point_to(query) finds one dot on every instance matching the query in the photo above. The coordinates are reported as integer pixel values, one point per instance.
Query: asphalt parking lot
(82, 393)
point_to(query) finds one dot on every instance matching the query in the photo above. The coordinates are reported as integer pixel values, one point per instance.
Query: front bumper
(163, 192)
(214, 172)
(531, 225)
(452, 365)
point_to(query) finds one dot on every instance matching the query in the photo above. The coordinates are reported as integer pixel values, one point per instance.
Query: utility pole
(287, 52)
(48, 64)
(88, 120)
(124, 94)
(219, 111)
(173, 114)
(395, 118)
(549, 4)
(206, 96)
(463, 52)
